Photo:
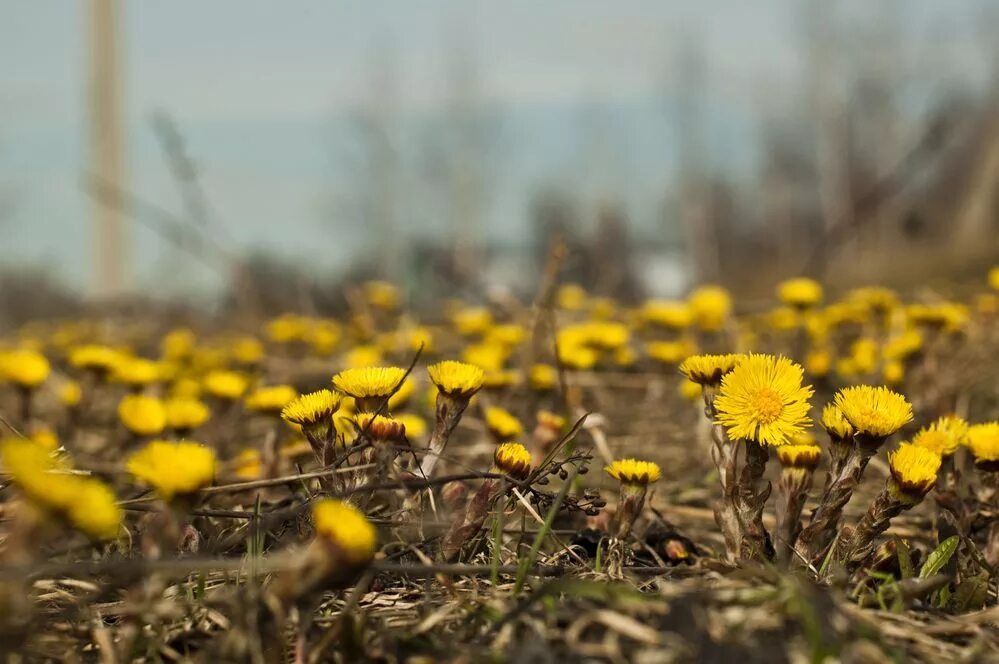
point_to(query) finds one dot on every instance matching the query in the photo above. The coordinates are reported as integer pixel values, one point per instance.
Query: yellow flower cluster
(86, 503)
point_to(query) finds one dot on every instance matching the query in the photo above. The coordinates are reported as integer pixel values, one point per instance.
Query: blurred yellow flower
(142, 415)
(26, 368)
(543, 377)
(800, 292)
(223, 384)
(502, 424)
(270, 399)
(345, 527)
(673, 314)
(185, 414)
(173, 469)
(711, 306)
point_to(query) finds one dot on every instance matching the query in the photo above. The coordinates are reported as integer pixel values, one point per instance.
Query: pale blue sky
(264, 90)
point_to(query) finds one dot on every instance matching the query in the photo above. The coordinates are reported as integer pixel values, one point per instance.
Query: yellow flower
(369, 382)
(142, 415)
(325, 337)
(943, 436)
(783, 319)
(672, 314)
(185, 388)
(551, 420)
(178, 344)
(543, 377)
(456, 379)
(93, 357)
(983, 441)
(70, 393)
(711, 306)
(571, 297)
(271, 399)
(288, 328)
(903, 346)
(247, 350)
(488, 357)
(799, 456)
(994, 278)
(94, 509)
(818, 363)
(709, 369)
(173, 468)
(690, 391)
(508, 334)
(634, 471)
(495, 380)
(380, 428)
(345, 527)
(135, 371)
(502, 424)
(669, 352)
(914, 468)
(512, 459)
(45, 438)
(33, 469)
(874, 411)
(402, 395)
(228, 385)
(185, 414)
(360, 357)
(382, 295)
(577, 356)
(605, 336)
(893, 373)
(763, 399)
(864, 353)
(835, 424)
(800, 292)
(26, 368)
(415, 426)
(248, 465)
(313, 408)
(472, 321)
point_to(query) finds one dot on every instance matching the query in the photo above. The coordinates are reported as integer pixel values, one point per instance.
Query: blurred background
(236, 153)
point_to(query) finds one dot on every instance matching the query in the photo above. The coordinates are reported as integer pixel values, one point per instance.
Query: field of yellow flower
(578, 479)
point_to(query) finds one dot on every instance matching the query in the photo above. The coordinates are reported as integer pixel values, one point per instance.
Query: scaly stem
(792, 491)
(753, 492)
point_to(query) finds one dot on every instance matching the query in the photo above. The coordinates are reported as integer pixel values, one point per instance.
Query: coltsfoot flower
(634, 471)
(800, 292)
(983, 441)
(226, 385)
(762, 399)
(136, 371)
(369, 382)
(672, 314)
(502, 424)
(346, 528)
(711, 306)
(512, 459)
(799, 456)
(380, 428)
(943, 436)
(271, 399)
(25, 368)
(142, 415)
(835, 424)
(914, 469)
(93, 357)
(183, 414)
(709, 369)
(456, 379)
(312, 409)
(543, 377)
(873, 412)
(173, 469)
(86, 503)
